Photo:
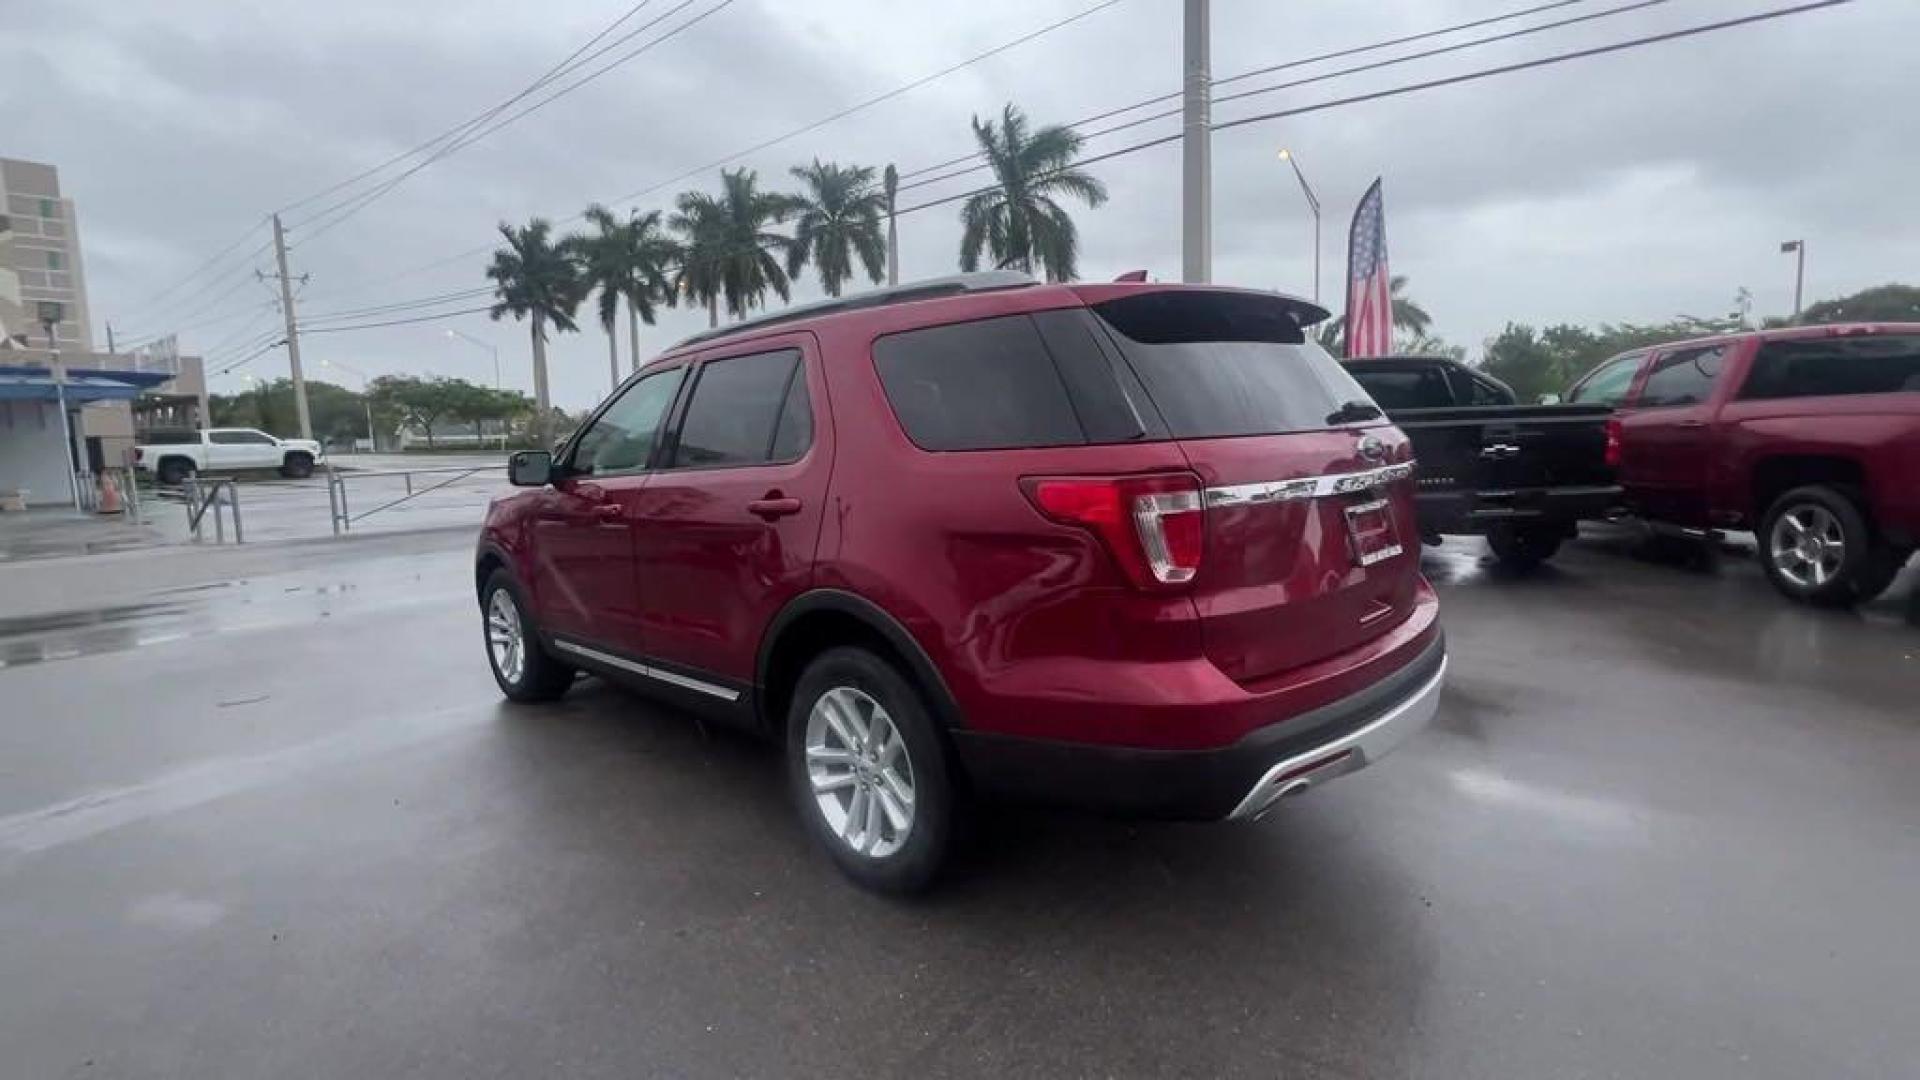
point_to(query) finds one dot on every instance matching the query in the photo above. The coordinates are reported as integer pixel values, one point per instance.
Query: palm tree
(1018, 222)
(1407, 314)
(700, 221)
(729, 254)
(838, 218)
(535, 278)
(625, 260)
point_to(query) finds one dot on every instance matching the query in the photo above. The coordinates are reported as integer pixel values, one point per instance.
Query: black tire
(915, 863)
(1524, 547)
(173, 470)
(541, 677)
(1866, 566)
(297, 466)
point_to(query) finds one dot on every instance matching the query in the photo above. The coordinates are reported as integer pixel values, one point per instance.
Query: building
(40, 258)
(107, 395)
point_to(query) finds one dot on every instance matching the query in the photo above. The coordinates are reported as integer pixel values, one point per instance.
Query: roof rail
(951, 285)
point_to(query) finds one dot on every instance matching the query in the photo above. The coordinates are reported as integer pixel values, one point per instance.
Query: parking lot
(263, 813)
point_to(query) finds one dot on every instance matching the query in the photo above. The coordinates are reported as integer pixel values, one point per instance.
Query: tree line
(1550, 359)
(732, 248)
(390, 402)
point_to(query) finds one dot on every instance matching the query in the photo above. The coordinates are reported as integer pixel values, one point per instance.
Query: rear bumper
(1476, 511)
(1236, 781)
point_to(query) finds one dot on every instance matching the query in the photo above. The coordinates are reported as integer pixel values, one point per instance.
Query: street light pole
(59, 374)
(1313, 204)
(470, 339)
(1799, 249)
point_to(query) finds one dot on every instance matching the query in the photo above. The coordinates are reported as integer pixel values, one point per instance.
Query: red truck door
(1666, 435)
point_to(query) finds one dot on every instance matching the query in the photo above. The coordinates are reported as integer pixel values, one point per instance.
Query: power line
(546, 77)
(257, 354)
(140, 307)
(1321, 77)
(238, 273)
(381, 309)
(397, 322)
(1429, 84)
(355, 204)
(872, 101)
(1505, 69)
(812, 126)
(1302, 62)
(572, 62)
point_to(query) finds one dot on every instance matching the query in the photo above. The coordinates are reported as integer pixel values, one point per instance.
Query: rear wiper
(1353, 412)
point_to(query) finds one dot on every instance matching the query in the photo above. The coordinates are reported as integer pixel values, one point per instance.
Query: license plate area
(1370, 532)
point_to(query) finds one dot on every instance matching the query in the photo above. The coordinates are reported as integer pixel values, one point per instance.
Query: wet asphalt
(263, 814)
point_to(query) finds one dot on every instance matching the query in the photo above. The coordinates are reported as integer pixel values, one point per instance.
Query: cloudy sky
(1630, 187)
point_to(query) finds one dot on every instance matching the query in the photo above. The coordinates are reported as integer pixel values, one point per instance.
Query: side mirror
(1548, 399)
(530, 468)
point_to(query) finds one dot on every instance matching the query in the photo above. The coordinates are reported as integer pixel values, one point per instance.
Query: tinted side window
(736, 410)
(1684, 377)
(982, 385)
(620, 440)
(1880, 364)
(1475, 390)
(1608, 384)
(1404, 388)
(240, 438)
(169, 438)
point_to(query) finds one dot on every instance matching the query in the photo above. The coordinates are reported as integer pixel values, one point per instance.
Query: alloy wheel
(506, 640)
(1807, 546)
(860, 772)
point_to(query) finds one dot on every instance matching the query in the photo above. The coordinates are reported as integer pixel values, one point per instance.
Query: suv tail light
(1154, 525)
(1613, 442)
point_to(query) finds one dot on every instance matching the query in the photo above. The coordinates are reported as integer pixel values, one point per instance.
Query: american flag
(1369, 296)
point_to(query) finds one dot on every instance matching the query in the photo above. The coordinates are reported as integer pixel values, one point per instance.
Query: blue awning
(35, 384)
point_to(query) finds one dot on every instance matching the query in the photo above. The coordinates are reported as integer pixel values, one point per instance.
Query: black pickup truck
(1524, 475)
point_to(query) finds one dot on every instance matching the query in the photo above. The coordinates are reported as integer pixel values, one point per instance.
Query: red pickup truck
(1809, 437)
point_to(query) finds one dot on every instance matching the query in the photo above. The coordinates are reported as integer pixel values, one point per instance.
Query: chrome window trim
(670, 677)
(1307, 487)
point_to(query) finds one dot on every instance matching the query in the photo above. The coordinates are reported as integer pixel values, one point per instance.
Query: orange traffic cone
(109, 495)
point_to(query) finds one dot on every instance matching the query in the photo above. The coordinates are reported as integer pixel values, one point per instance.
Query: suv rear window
(1218, 364)
(1880, 364)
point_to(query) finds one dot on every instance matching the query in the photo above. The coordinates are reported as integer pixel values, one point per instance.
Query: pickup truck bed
(1524, 475)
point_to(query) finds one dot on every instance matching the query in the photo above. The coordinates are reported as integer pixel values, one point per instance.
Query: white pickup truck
(175, 455)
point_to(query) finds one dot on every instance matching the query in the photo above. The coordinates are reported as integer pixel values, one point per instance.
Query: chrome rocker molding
(1307, 487)
(1345, 754)
(672, 678)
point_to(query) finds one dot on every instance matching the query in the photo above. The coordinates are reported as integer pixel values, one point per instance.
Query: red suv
(1139, 547)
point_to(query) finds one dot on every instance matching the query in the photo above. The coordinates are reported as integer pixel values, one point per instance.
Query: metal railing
(343, 516)
(217, 494)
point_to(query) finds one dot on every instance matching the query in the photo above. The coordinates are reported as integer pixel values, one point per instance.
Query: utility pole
(1196, 156)
(110, 349)
(293, 332)
(891, 180)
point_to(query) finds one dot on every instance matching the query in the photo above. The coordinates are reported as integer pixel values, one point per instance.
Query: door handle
(607, 512)
(773, 507)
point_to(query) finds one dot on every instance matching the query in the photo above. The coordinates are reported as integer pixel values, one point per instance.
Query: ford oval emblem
(1372, 448)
